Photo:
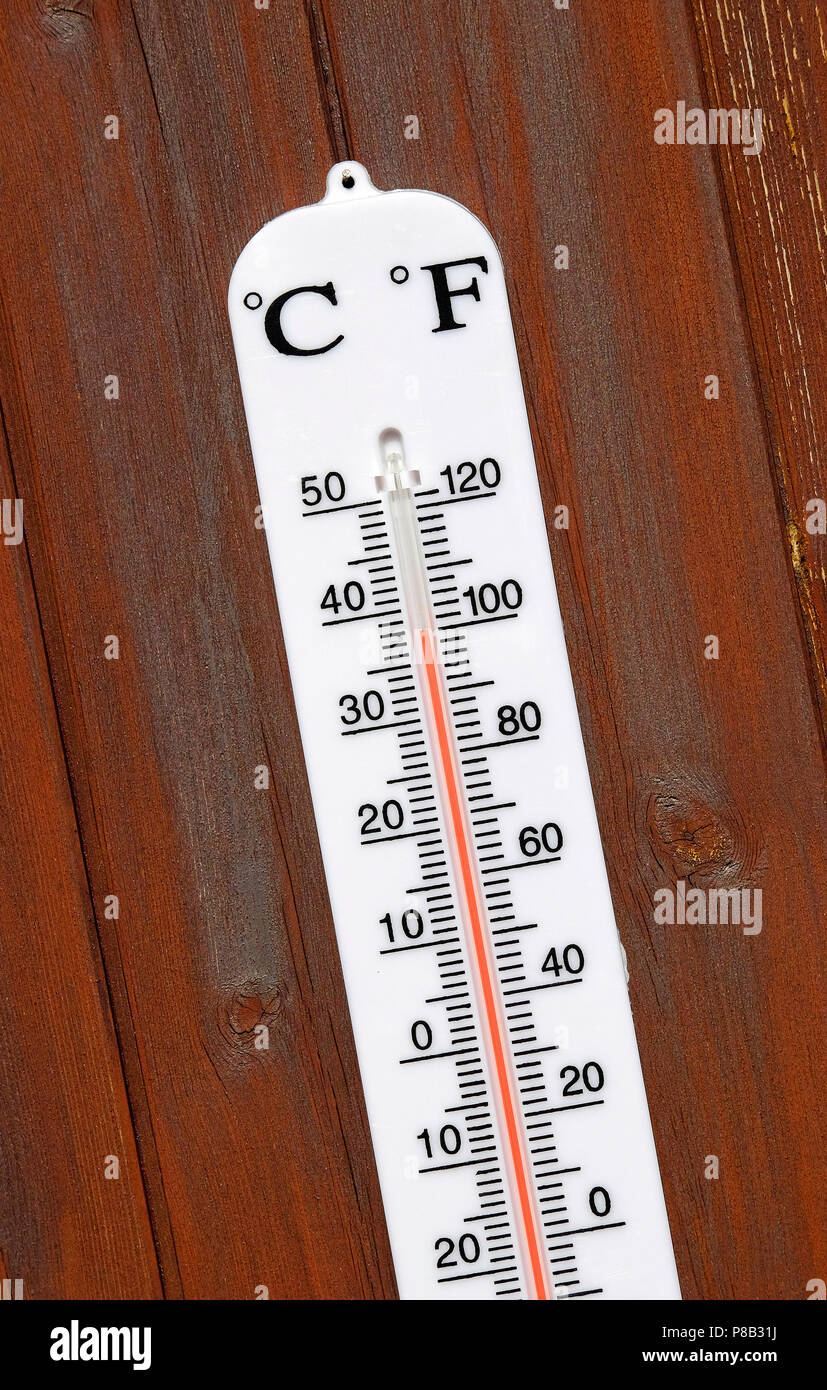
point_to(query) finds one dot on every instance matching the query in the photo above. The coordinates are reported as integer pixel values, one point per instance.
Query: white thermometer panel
(481, 959)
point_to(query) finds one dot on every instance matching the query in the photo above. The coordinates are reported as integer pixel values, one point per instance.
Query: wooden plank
(774, 58)
(65, 1226)
(542, 121)
(114, 261)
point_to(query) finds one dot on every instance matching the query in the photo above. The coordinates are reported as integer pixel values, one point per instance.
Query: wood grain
(774, 58)
(686, 520)
(63, 1222)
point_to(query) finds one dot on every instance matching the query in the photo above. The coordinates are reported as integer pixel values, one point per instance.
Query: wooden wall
(133, 1036)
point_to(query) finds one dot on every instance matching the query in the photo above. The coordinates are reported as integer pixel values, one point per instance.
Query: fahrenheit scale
(483, 968)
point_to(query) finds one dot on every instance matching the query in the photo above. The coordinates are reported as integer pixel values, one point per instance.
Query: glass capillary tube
(396, 482)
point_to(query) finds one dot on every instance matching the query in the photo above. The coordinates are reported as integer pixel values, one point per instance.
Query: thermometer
(484, 973)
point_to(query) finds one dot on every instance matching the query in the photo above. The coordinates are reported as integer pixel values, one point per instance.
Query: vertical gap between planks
(330, 90)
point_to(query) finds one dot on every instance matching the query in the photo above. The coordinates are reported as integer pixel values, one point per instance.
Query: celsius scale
(484, 973)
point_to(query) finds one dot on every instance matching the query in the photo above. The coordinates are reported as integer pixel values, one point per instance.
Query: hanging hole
(348, 181)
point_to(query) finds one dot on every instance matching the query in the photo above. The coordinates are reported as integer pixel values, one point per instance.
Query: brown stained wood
(774, 57)
(65, 1113)
(542, 122)
(115, 259)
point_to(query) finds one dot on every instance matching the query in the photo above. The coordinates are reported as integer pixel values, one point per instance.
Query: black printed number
(571, 961)
(369, 706)
(472, 477)
(467, 1247)
(600, 1201)
(332, 488)
(412, 924)
(490, 598)
(422, 1035)
(450, 1140)
(511, 720)
(353, 597)
(534, 840)
(591, 1076)
(390, 814)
